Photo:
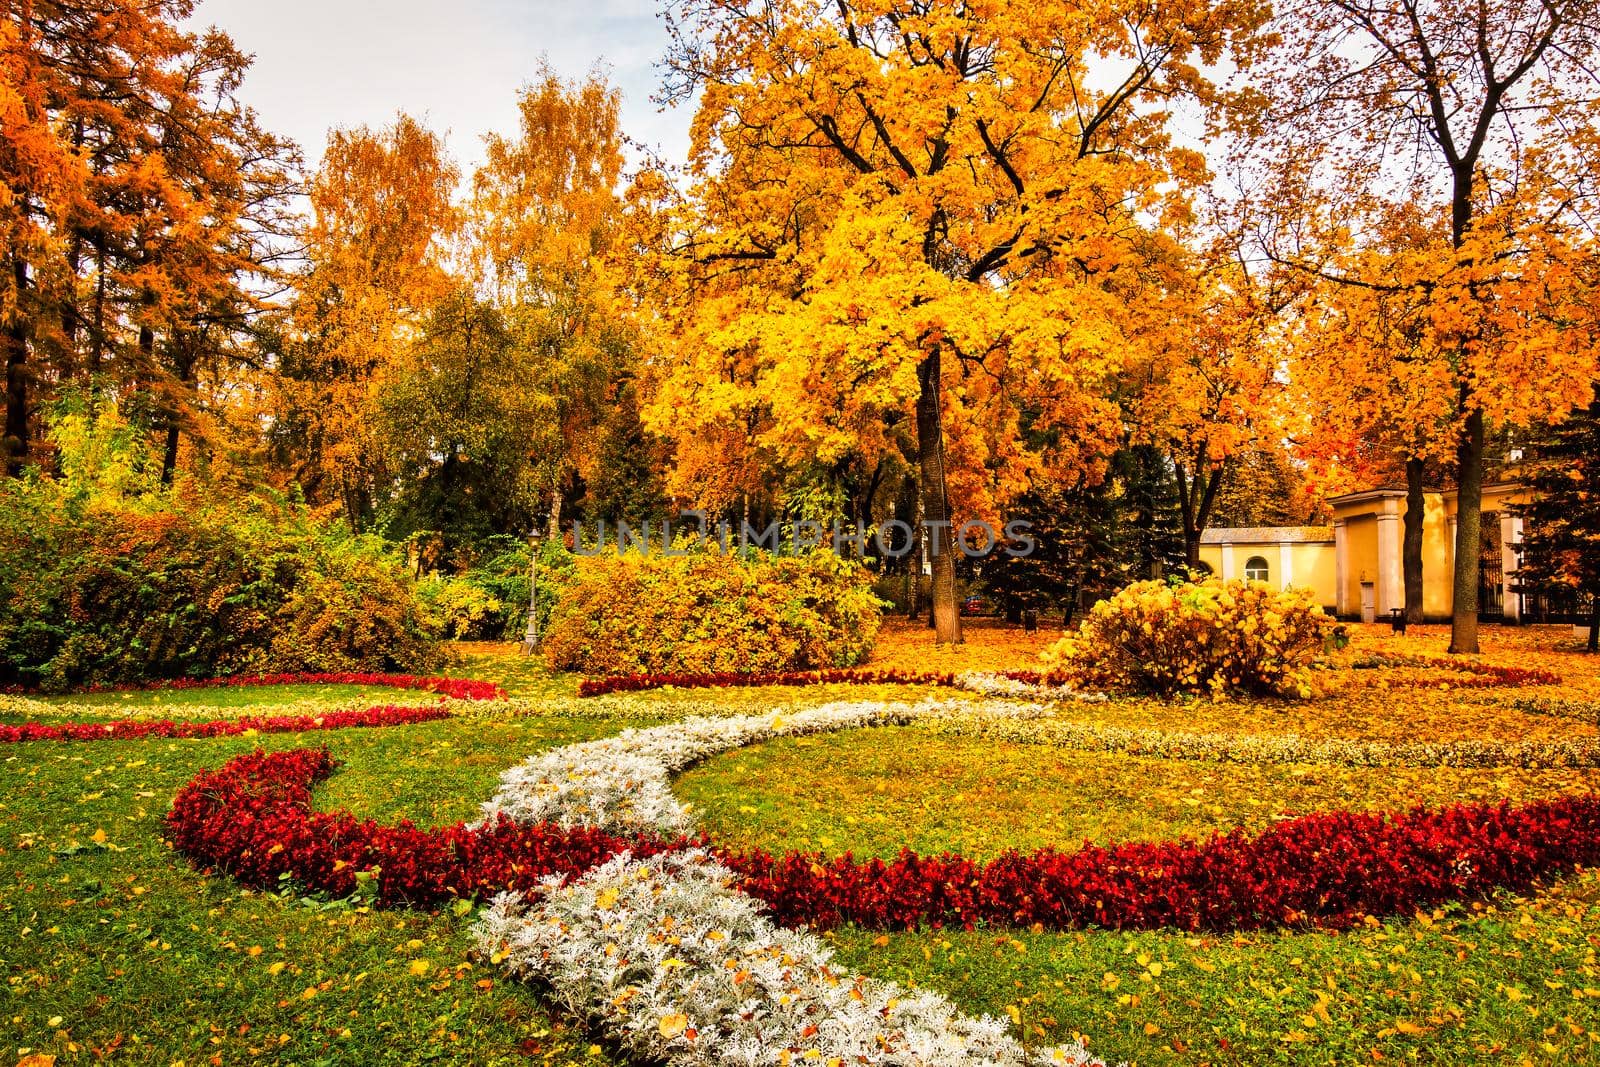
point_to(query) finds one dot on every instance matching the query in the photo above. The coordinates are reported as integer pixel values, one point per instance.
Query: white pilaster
(1285, 564)
(1341, 568)
(1227, 561)
(1450, 560)
(1510, 537)
(1391, 586)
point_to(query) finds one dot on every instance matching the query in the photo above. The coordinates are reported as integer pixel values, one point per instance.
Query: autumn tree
(1440, 154)
(1264, 488)
(545, 210)
(382, 209)
(927, 215)
(1208, 391)
(454, 415)
(144, 208)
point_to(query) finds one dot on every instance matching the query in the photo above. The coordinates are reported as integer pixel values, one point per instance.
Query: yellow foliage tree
(382, 210)
(545, 211)
(939, 215)
(1437, 156)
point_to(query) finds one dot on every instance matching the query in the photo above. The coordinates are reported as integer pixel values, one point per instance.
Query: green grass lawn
(874, 792)
(118, 950)
(1507, 981)
(112, 948)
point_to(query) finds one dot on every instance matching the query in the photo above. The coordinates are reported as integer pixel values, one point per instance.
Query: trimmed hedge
(713, 613)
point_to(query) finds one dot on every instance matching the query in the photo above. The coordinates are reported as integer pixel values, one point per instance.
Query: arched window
(1255, 569)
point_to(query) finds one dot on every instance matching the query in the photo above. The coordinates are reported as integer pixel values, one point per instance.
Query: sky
(457, 65)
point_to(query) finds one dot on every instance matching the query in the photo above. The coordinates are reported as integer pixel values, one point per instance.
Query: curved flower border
(1480, 675)
(1019, 683)
(253, 819)
(727, 986)
(675, 963)
(679, 951)
(1031, 684)
(131, 729)
(457, 688)
(1006, 724)
(614, 794)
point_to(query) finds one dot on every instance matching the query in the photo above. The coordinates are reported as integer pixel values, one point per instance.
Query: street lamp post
(530, 640)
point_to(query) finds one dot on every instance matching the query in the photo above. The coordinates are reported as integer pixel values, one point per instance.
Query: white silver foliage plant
(676, 965)
(622, 784)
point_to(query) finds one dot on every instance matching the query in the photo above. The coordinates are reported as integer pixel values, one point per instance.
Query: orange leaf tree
(1439, 157)
(381, 210)
(930, 216)
(143, 205)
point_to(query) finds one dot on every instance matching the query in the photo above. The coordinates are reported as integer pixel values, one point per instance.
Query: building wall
(1361, 537)
(1315, 569)
(1374, 557)
(1311, 564)
(1438, 557)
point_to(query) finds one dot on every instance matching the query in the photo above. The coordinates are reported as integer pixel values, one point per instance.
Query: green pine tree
(1561, 541)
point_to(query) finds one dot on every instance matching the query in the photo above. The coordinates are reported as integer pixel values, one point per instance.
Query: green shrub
(107, 577)
(713, 612)
(1210, 637)
(115, 596)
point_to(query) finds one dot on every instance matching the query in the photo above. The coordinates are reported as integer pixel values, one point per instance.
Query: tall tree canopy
(934, 213)
(1444, 153)
(143, 212)
(382, 210)
(545, 212)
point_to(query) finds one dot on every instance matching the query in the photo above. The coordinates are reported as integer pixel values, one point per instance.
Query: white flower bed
(676, 965)
(998, 685)
(622, 784)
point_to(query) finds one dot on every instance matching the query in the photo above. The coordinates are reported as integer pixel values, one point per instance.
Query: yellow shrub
(710, 613)
(1210, 637)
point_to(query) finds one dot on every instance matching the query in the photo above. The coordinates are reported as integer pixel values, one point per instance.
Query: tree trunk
(936, 502)
(1594, 626)
(1197, 497)
(914, 566)
(169, 453)
(16, 435)
(1411, 545)
(174, 419)
(554, 527)
(1469, 522)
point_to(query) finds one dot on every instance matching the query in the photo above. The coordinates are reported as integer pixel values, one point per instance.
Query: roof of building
(1246, 535)
(1391, 489)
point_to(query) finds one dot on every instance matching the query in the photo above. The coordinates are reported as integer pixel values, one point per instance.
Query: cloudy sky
(457, 64)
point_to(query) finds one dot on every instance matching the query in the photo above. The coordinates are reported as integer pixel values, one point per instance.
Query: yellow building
(1354, 565)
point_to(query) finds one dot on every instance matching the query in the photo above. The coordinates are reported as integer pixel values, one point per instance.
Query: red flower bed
(1478, 675)
(627, 683)
(460, 688)
(127, 729)
(1326, 869)
(253, 818)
